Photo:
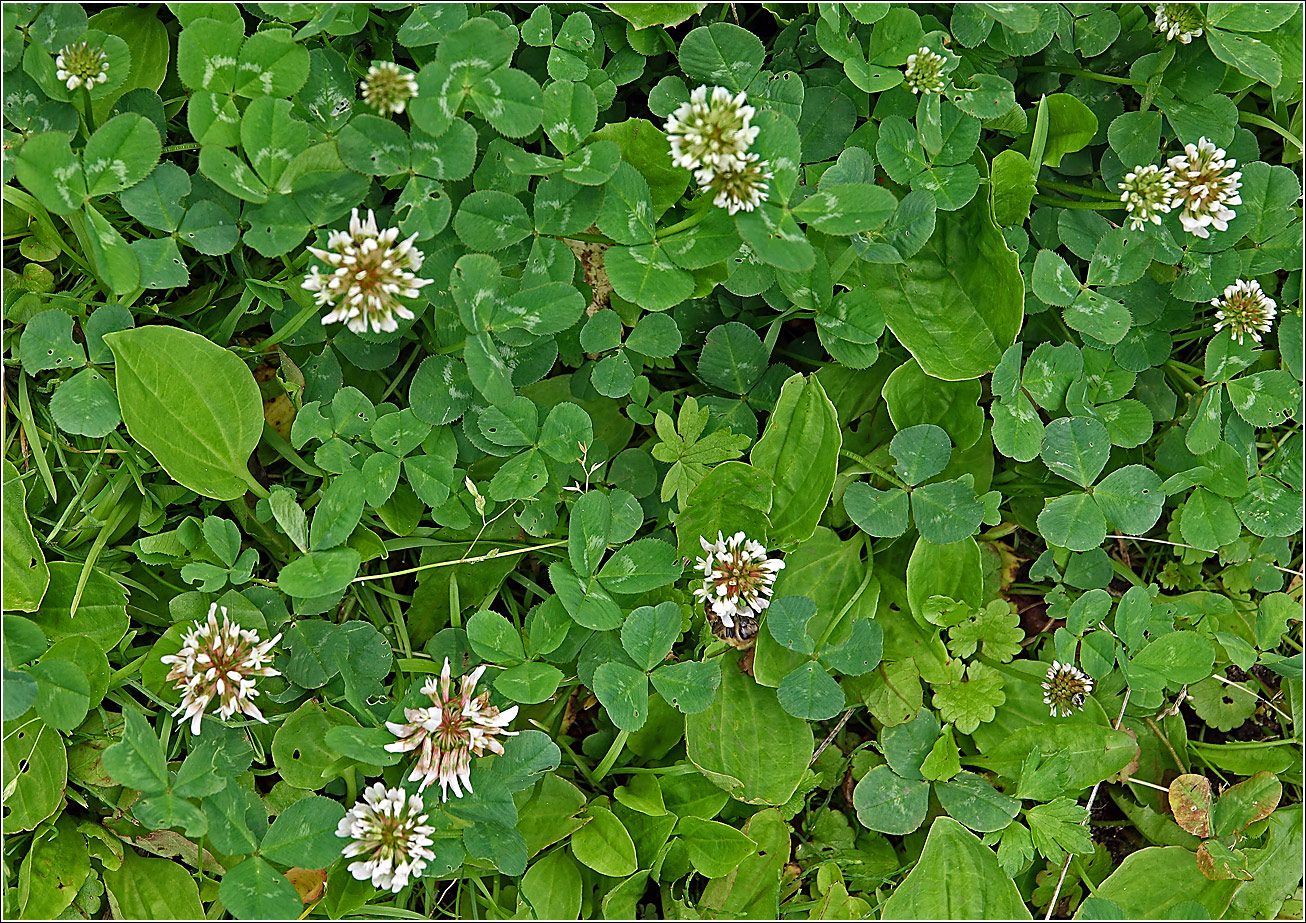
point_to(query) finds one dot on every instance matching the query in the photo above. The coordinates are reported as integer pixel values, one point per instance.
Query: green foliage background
(986, 423)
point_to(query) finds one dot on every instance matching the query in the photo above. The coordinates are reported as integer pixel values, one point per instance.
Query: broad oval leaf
(192, 404)
(958, 303)
(956, 878)
(747, 744)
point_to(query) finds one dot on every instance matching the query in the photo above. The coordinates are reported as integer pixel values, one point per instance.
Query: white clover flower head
(737, 577)
(737, 190)
(220, 662)
(1065, 689)
(456, 727)
(81, 64)
(711, 132)
(1205, 185)
(1148, 193)
(924, 71)
(387, 87)
(370, 272)
(1179, 21)
(1245, 310)
(388, 830)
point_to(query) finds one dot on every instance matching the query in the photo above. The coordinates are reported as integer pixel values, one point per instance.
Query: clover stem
(1091, 75)
(495, 553)
(89, 112)
(684, 225)
(581, 235)
(1165, 741)
(351, 785)
(1069, 203)
(873, 468)
(1082, 190)
(287, 330)
(580, 763)
(1186, 381)
(255, 487)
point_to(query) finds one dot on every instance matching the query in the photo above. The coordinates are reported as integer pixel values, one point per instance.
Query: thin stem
(1229, 682)
(90, 112)
(255, 487)
(1068, 203)
(683, 225)
(120, 675)
(1084, 877)
(830, 737)
(1189, 383)
(1088, 812)
(873, 468)
(289, 330)
(580, 763)
(1161, 541)
(580, 235)
(1165, 741)
(493, 553)
(1081, 190)
(1091, 75)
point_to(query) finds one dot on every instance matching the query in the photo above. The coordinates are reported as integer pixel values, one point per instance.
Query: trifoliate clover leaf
(971, 699)
(996, 626)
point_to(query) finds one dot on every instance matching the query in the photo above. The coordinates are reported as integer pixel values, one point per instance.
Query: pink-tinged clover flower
(448, 733)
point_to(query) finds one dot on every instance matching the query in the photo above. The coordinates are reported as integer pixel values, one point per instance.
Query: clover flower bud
(81, 64)
(924, 71)
(1148, 193)
(387, 87)
(1179, 21)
